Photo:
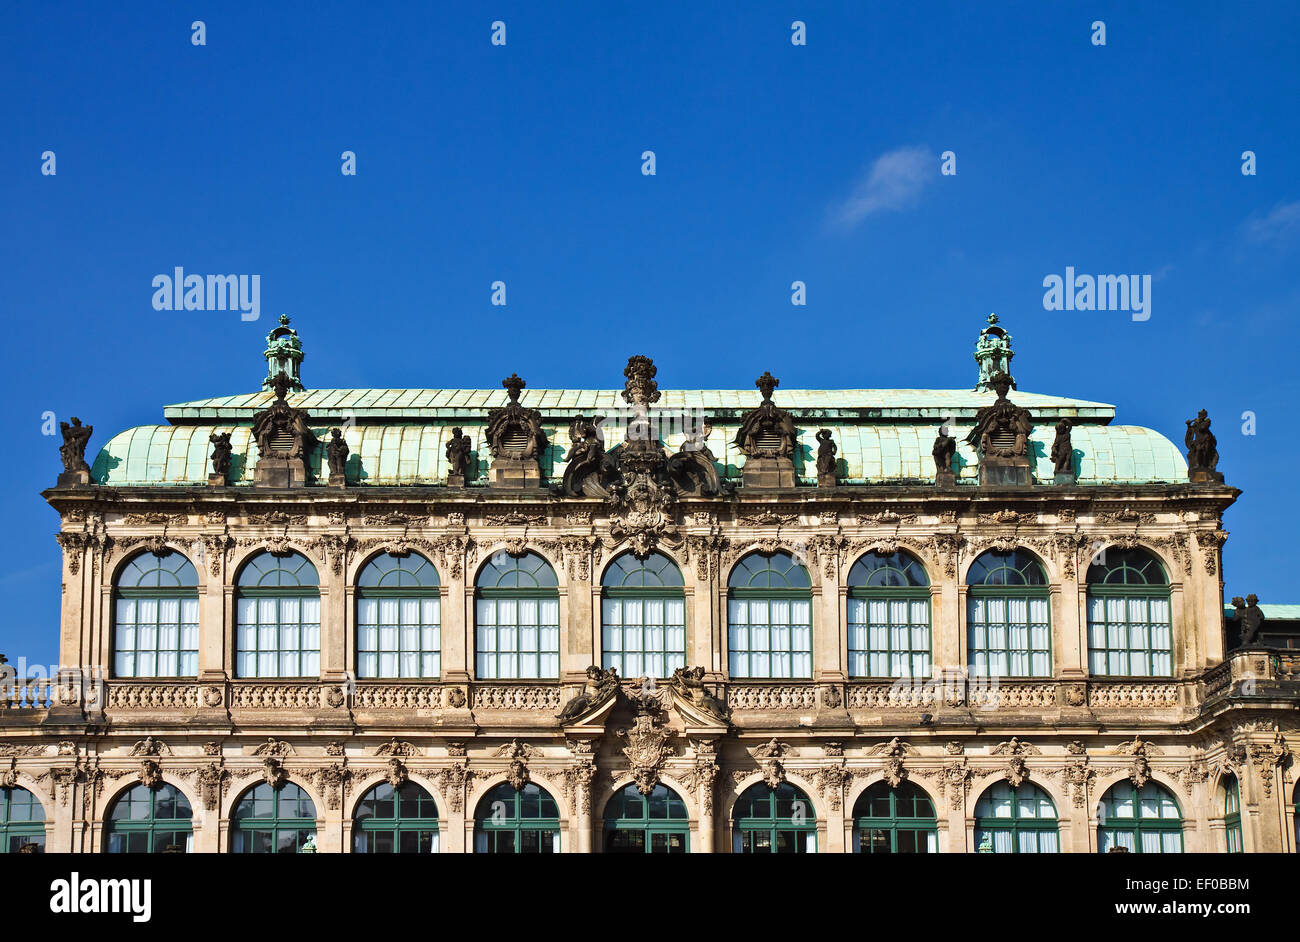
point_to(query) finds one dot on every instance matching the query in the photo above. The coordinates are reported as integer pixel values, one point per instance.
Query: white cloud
(1281, 220)
(894, 181)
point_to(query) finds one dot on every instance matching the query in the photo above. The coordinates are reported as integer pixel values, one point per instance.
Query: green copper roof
(413, 404)
(1278, 612)
(398, 452)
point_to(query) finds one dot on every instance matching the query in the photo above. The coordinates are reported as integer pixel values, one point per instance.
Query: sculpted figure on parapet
(600, 686)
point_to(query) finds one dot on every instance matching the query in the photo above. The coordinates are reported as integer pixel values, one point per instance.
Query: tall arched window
(1230, 803)
(517, 618)
(777, 820)
(402, 820)
(643, 616)
(1008, 630)
(526, 821)
(1020, 820)
(22, 822)
(769, 617)
(1128, 615)
(889, 616)
(271, 820)
(1142, 820)
(156, 617)
(399, 618)
(148, 820)
(657, 823)
(277, 617)
(895, 821)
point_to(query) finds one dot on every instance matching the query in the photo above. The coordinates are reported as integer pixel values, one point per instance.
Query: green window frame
(1130, 621)
(1144, 820)
(277, 617)
(156, 616)
(1008, 616)
(523, 821)
(769, 618)
(888, 615)
(1016, 820)
(777, 820)
(399, 618)
(898, 820)
(402, 820)
(270, 820)
(22, 821)
(146, 820)
(657, 823)
(517, 619)
(643, 616)
(1230, 801)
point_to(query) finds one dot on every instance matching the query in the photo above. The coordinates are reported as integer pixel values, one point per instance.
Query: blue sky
(775, 163)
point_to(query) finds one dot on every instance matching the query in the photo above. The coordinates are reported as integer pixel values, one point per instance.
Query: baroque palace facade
(709, 621)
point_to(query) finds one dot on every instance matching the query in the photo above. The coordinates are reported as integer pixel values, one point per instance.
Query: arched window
(895, 821)
(1128, 615)
(22, 822)
(773, 821)
(399, 618)
(271, 820)
(148, 820)
(156, 617)
(889, 616)
(517, 618)
(526, 821)
(1020, 820)
(1008, 630)
(277, 617)
(1230, 802)
(1142, 820)
(643, 616)
(657, 823)
(769, 617)
(402, 820)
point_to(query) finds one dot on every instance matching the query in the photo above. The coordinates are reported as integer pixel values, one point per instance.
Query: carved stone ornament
(284, 440)
(831, 781)
(648, 745)
(395, 773)
(274, 774)
(453, 780)
(459, 448)
(277, 748)
(1267, 757)
(827, 462)
(211, 780)
(331, 781)
(150, 774)
(395, 747)
(1062, 453)
(150, 747)
(767, 438)
(1017, 771)
(516, 439)
(1001, 437)
(518, 753)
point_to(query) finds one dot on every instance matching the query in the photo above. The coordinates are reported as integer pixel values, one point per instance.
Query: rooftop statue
(692, 469)
(945, 447)
(689, 683)
(826, 452)
(284, 440)
(459, 447)
(73, 449)
(589, 471)
(221, 450)
(336, 451)
(1248, 618)
(1202, 450)
(993, 353)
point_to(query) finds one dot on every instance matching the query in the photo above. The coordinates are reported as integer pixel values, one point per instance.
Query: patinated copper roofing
(400, 435)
